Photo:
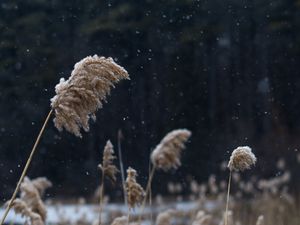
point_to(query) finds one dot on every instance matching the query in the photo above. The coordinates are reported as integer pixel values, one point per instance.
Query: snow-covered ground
(73, 213)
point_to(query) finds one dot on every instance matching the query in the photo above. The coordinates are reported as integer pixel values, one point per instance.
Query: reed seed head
(22, 208)
(41, 184)
(165, 217)
(167, 153)
(107, 166)
(241, 159)
(78, 98)
(260, 220)
(31, 196)
(202, 218)
(135, 192)
(120, 220)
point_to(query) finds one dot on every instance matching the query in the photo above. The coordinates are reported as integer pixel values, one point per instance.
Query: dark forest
(226, 70)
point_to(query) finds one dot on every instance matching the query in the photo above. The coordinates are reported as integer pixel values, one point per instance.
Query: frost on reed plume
(166, 155)
(241, 159)
(135, 192)
(78, 98)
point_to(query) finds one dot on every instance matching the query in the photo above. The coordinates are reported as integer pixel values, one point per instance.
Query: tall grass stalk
(147, 192)
(120, 137)
(128, 216)
(227, 199)
(150, 197)
(101, 197)
(9, 205)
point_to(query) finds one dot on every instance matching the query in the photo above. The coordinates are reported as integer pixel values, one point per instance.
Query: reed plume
(135, 192)
(30, 204)
(41, 184)
(166, 155)
(108, 169)
(22, 208)
(30, 194)
(202, 218)
(260, 220)
(120, 220)
(241, 159)
(165, 218)
(78, 98)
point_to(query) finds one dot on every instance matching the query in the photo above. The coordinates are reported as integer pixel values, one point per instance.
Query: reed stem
(128, 216)
(8, 207)
(227, 200)
(120, 136)
(150, 197)
(147, 191)
(101, 197)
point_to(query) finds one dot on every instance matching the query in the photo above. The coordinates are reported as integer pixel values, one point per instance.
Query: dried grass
(31, 196)
(107, 167)
(166, 155)
(78, 98)
(22, 208)
(135, 192)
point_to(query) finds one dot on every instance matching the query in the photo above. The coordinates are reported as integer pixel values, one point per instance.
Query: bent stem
(8, 207)
(227, 200)
(146, 194)
(101, 197)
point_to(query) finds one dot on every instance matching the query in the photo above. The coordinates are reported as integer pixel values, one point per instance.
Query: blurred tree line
(226, 70)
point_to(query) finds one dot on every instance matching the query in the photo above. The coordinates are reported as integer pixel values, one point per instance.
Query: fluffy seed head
(78, 98)
(241, 158)
(135, 192)
(22, 208)
(31, 196)
(202, 218)
(165, 218)
(260, 220)
(120, 220)
(107, 166)
(166, 155)
(41, 184)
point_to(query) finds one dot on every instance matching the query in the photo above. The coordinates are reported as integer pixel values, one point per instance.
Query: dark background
(226, 70)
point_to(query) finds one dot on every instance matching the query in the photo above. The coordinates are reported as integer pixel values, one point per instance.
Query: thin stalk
(101, 197)
(150, 197)
(120, 136)
(26, 167)
(147, 191)
(128, 216)
(227, 200)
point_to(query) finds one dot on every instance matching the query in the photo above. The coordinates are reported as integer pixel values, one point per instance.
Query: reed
(109, 170)
(166, 156)
(77, 100)
(241, 159)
